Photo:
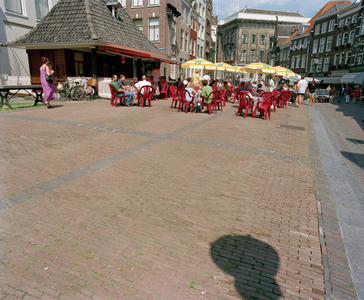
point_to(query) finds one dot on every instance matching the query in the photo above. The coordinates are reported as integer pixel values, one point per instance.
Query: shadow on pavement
(355, 111)
(355, 141)
(253, 263)
(356, 158)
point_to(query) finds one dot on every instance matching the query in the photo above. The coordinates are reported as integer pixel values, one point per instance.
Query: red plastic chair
(173, 91)
(144, 94)
(264, 106)
(215, 97)
(284, 97)
(245, 102)
(196, 88)
(114, 98)
(223, 96)
(215, 88)
(235, 94)
(164, 89)
(181, 93)
(260, 92)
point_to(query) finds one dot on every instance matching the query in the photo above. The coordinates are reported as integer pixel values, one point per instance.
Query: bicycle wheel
(79, 93)
(63, 94)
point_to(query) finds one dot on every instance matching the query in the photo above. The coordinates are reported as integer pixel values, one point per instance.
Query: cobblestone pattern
(176, 215)
(338, 280)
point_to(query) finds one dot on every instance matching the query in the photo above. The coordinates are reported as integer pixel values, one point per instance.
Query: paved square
(101, 202)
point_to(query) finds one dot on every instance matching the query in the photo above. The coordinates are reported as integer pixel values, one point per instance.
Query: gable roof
(87, 21)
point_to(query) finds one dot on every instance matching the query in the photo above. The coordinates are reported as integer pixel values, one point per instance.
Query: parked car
(323, 95)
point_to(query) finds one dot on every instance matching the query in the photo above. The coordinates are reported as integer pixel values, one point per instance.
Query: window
(137, 3)
(303, 62)
(298, 60)
(353, 19)
(338, 40)
(173, 33)
(317, 29)
(202, 32)
(262, 39)
(233, 54)
(186, 41)
(348, 58)
(347, 22)
(261, 56)
(336, 59)
(341, 23)
(322, 45)
(41, 8)
(305, 41)
(318, 67)
(312, 68)
(345, 38)
(245, 38)
(155, 2)
(243, 56)
(284, 55)
(351, 37)
(292, 62)
(331, 25)
(288, 54)
(79, 63)
(181, 39)
(314, 46)
(254, 38)
(281, 56)
(123, 3)
(182, 13)
(154, 29)
(342, 57)
(360, 58)
(326, 64)
(324, 27)
(329, 43)
(14, 6)
(362, 28)
(139, 23)
(252, 55)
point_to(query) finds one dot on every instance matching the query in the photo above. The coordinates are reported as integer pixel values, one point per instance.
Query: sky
(225, 8)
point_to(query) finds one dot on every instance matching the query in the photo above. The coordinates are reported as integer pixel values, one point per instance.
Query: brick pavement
(130, 203)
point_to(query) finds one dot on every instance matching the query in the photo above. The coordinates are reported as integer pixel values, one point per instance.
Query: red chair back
(196, 88)
(260, 92)
(244, 98)
(164, 89)
(215, 88)
(286, 95)
(232, 88)
(181, 93)
(113, 95)
(147, 91)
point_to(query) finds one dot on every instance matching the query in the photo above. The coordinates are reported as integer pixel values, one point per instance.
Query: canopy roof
(88, 23)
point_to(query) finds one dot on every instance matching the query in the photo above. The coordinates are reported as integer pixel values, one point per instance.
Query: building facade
(17, 18)
(245, 36)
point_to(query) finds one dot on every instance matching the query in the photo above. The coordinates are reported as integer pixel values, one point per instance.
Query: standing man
(196, 79)
(156, 74)
(119, 90)
(302, 87)
(272, 84)
(341, 93)
(348, 94)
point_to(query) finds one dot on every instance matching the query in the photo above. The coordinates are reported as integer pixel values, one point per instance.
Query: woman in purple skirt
(48, 86)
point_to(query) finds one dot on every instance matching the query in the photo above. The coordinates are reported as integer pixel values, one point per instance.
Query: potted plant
(346, 66)
(336, 48)
(345, 27)
(339, 67)
(347, 45)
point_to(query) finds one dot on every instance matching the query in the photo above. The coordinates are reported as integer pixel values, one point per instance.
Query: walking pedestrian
(312, 90)
(348, 93)
(302, 87)
(46, 79)
(341, 93)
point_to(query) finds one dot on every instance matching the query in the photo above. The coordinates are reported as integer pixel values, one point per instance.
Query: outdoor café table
(5, 89)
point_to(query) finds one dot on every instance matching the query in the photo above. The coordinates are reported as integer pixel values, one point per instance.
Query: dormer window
(113, 7)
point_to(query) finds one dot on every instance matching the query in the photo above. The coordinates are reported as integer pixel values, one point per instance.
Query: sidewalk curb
(337, 274)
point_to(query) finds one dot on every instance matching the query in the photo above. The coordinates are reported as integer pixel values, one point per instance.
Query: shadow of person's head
(253, 263)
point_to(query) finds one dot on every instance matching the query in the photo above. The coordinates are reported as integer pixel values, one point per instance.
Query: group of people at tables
(205, 87)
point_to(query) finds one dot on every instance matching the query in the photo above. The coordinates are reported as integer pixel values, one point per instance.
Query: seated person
(119, 90)
(178, 82)
(244, 86)
(121, 82)
(189, 96)
(205, 91)
(190, 85)
(225, 86)
(142, 83)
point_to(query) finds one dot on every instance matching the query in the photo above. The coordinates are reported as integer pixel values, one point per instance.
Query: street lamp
(316, 60)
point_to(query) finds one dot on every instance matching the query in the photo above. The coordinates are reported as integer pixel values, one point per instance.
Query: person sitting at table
(190, 85)
(121, 82)
(225, 86)
(244, 86)
(119, 90)
(178, 82)
(206, 91)
(142, 83)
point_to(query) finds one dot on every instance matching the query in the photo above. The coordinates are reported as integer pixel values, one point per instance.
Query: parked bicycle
(70, 90)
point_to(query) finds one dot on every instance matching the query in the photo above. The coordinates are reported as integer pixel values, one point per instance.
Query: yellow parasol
(199, 64)
(281, 71)
(220, 66)
(258, 68)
